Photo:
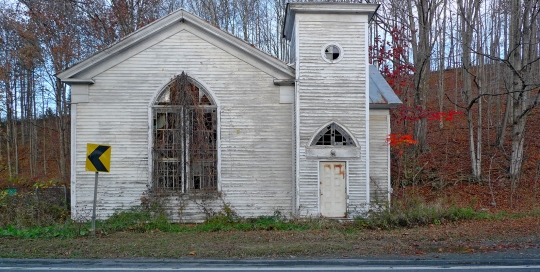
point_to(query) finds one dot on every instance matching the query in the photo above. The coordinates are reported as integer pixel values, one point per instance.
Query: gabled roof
(82, 72)
(381, 95)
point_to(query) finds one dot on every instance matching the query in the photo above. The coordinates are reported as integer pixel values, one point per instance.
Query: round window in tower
(332, 53)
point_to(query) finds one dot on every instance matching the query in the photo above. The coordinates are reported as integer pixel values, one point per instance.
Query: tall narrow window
(185, 136)
(333, 135)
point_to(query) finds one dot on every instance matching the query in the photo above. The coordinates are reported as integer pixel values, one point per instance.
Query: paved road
(259, 265)
(497, 261)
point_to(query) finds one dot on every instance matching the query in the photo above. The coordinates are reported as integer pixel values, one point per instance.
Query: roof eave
(122, 44)
(180, 16)
(327, 8)
(72, 81)
(384, 106)
(245, 47)
(333, 8)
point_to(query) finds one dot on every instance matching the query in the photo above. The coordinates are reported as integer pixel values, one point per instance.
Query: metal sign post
(94, 207)
(98, 159)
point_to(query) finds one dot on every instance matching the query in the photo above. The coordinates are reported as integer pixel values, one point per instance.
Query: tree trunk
(422, 44)
(60, 125)
(468, 11)
(518, 140)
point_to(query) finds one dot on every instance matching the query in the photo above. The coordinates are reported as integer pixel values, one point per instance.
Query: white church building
(200, 119)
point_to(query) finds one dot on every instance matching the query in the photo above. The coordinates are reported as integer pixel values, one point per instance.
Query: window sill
(332, 152)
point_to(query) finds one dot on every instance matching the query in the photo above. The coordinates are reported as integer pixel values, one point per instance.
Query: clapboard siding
(379, 124)
(308, 186)
(332, 93)
(256, 130)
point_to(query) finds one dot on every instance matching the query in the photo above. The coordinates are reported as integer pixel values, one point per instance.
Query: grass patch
(141, 221)
(416, 214)
(64, 230)
(26, 222)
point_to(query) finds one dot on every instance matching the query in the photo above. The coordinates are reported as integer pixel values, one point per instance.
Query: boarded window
(184, 138)
(333, 135)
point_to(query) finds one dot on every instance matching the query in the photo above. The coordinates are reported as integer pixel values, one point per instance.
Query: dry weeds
(461, 237)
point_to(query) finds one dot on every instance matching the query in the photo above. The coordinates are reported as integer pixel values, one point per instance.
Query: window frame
(181, 176)
(332, 44)
(333, 129)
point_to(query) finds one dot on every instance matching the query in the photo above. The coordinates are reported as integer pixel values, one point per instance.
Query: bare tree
(469, 14)
(419, 17)
(523, 63)
(59, 39)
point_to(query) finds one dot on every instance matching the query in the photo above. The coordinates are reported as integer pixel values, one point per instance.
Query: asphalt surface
(509, 260)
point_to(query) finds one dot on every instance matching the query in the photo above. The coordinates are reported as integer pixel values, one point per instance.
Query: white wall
(379, 129)
(256, 134)
(332, 92)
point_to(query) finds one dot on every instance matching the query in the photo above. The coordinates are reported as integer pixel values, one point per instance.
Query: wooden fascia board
(284, 82)
(127, 42)
(159, 29)
(334, 8)
(384, 106)
(72, 81)
(326, 8)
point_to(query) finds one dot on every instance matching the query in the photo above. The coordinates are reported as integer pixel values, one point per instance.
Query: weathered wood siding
(379, 161)
(332, 93)
(256, 130)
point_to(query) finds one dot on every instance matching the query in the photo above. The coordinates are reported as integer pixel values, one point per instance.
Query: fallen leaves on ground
(462, 237)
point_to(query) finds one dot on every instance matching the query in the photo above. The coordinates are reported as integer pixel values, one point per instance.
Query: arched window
(333, 135)
(184, 138)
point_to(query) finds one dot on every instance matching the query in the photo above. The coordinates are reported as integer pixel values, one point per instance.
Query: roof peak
(78, 73)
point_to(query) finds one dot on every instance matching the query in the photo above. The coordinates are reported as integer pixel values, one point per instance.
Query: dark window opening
(333, 135)
(185, 138)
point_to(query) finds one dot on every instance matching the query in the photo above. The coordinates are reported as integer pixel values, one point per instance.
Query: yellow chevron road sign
(98, 157)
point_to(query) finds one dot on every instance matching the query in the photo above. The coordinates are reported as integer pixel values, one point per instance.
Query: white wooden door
(333, 196)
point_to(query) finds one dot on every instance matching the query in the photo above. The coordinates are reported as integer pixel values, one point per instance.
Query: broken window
(184, 138)
(333, 135)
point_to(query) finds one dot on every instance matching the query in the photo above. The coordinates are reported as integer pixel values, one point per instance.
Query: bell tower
(328, 46)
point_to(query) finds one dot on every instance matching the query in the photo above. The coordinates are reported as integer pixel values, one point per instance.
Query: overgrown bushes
(29, 210)
(417, 213)
(23, 215)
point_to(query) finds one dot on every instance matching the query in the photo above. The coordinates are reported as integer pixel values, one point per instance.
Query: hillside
(443, 173)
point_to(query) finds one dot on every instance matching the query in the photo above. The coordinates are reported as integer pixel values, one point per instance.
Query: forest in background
(466, 70)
